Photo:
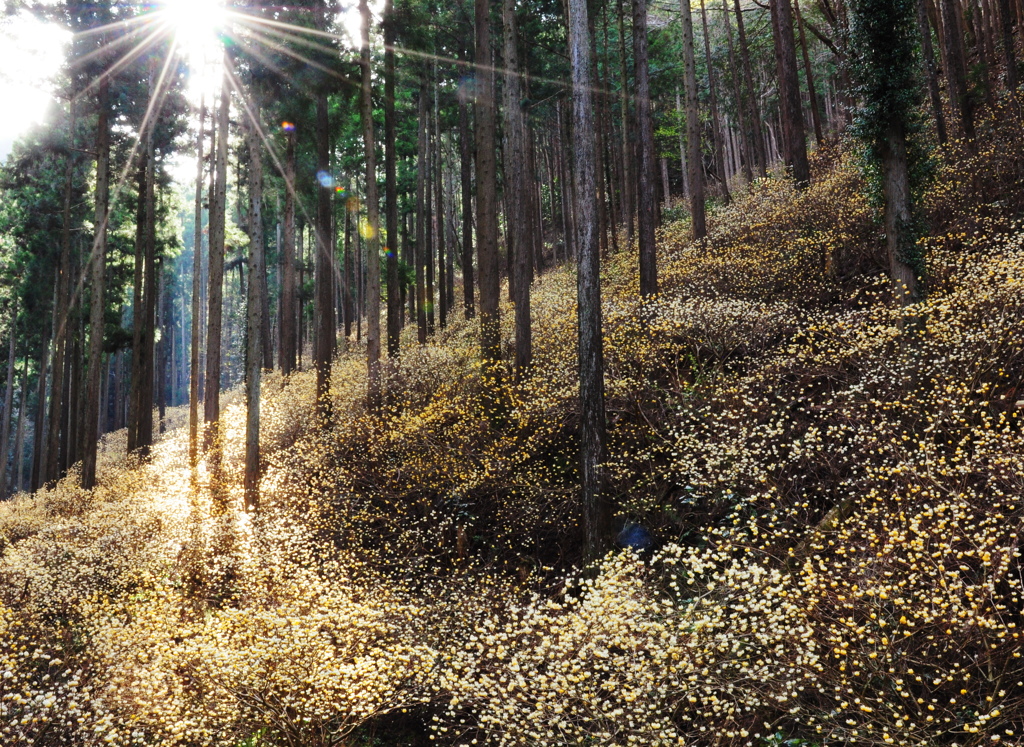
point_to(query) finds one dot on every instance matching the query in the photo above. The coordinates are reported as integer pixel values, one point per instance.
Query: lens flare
(325, 179)
(288, 127)
(365, 228)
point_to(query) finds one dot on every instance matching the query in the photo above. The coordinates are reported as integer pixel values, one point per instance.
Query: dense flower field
(836, 484)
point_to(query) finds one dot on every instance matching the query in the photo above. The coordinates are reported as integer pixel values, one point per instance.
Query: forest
(515, 372)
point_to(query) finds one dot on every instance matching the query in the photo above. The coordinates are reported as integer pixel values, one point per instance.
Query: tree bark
(466, 164)
(755, 111)
(373, 230)
(789, 93)
(18, 470)
(629, 195)
(956, 69)
(38, 476)
(596, 508)
(5, 425)
(809, 75)
(896, 193)
(149, 294)
(60, 316)
(647, 197)
(419, 249)
(97, 262)
(741, 107)
(443, 302)
(1009, 56)
(215, 294)
(486, 197)
(517, 179)
(289, 296)
(683, 160)
(693, 151)
(391, 183)
(932, 73)
(716, 120)
(166, 327)
(323, 305)
(255, 320)
(197, 284)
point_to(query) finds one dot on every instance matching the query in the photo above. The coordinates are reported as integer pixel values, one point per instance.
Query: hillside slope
(836, 483)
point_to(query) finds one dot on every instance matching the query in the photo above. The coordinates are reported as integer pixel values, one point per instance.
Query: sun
(196, 23)
(197, 26)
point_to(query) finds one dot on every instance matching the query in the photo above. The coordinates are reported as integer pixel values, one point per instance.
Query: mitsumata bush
(835, 484)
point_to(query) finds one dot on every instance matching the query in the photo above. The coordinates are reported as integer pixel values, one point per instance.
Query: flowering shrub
(836, 483)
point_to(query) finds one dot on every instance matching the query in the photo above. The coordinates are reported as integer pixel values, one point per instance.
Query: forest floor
(836, 485)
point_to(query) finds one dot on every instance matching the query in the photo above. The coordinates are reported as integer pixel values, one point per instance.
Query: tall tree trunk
(1006, 32)
(566, 144)
(809, 75)
(97, 262)
(323, 305)
(266, 342)
(596, 508)
(956, 69)
(18, 470)
(421, 214)
(517, 179)
(647, 197)
(5, 425)
(683, 160)
(898, 218)
(565, 190)
(360, 279)
(38, 476)
(67, 419)
(693, 151)
(760, 156)
(716, 120)
(666, 193)
(146, 399)
(429, 225)
(440, 242)
(932, 73)
(629, 195)
(349, 279)
(254, 316)
(603, 219)
(372, 210)
(164, 324)
(1020, 19)
(215, 294)
(197, 280)
(466, 165)
(60, 315)
(289, 295)
(612, 164)
(453, 240)
(486, 196)
(789, 93)
(741, 107)
(408, 299)
(138, 309)
(391, 183)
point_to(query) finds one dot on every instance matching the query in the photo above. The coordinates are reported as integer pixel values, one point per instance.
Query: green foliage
(885, 63)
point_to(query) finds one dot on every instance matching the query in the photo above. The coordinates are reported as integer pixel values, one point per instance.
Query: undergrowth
(835, 483)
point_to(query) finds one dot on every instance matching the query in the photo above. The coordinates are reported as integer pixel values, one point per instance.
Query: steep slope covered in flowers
(836, 482)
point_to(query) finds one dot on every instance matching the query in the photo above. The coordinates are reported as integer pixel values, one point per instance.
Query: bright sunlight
(197, 26)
